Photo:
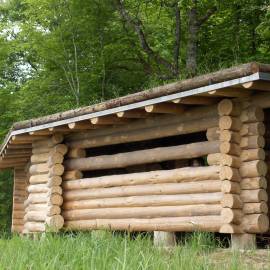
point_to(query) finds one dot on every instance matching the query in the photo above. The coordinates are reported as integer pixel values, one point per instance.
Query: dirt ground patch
(254, 259)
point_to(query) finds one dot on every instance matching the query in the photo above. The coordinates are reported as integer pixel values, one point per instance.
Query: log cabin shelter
(186, 156)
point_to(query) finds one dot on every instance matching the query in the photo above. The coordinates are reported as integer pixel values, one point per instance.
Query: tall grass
(104, 250)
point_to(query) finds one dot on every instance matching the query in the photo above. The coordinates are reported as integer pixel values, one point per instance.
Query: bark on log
(142, 201)
(154, 155)
(147, 133)
(156, 189)
(253, 169)
(142, 212)
(187, 174)
(186, 224)
(254, 196)
(252, 154)
(254, 183)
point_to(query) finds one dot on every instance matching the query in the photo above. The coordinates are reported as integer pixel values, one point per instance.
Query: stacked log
(45, 193)
(191, 121)
(183, 199)
(19, 196)
(267, 153)
(253, 171)
(229, 159)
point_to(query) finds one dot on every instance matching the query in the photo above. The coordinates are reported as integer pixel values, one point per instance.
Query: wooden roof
(174, 98)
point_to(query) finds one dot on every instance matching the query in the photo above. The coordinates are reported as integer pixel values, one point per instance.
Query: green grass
(104, 250)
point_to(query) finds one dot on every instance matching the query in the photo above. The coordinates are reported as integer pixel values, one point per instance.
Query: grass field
(106, 251)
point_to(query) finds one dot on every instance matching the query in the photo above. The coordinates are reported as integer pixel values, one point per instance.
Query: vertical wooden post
(164, 239)
(243, 241)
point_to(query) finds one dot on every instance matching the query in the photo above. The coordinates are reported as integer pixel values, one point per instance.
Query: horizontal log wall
(181, 199)
(145, 201)
(19, 196)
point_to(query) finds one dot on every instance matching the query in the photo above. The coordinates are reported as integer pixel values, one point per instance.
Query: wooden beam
(257, 85)
(168, 108)
(81, 126)
(108, 120)
(133, 114)
(24, 139)
(228, 92)
(147, 156)
(197, 100)
(19, 146)
(61, 129)
(40, 133)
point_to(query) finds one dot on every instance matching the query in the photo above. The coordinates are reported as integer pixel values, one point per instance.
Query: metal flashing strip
(196, 91)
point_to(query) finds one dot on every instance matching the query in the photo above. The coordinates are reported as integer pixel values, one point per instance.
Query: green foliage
(6, 187)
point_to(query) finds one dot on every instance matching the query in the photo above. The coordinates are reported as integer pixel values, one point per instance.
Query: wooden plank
(81, 126)
(197, 100)
(228, 92)
(167, 108)
(257, 85)
(133, 114)
(109, 120)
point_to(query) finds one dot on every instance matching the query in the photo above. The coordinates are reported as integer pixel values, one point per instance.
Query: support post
(164, 239)
(243, 241)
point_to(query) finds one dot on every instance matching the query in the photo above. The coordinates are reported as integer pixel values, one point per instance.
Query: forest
(57, 55)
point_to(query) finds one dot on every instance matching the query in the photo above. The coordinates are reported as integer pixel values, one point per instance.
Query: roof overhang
(237, 84)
